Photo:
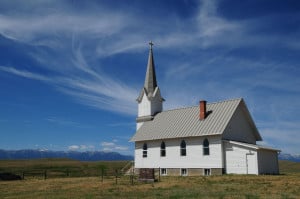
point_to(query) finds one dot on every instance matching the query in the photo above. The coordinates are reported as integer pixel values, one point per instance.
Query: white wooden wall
(239, 128)
(144, 107)
(147, 107)
(193, 159)
(240, 160)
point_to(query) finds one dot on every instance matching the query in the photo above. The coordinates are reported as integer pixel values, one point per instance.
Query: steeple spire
(150, 80)
(149, 101)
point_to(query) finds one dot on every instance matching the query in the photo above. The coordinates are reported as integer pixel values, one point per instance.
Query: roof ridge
(228, 100)
(179, 108)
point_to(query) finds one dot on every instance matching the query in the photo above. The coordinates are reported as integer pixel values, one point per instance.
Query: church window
(145, 148)
(163, 149)
(183, 148)
(205, 147)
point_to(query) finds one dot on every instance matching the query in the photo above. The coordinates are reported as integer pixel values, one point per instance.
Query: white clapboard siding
(194, 154)
(240, 159)
(239, 127)
(149, 107)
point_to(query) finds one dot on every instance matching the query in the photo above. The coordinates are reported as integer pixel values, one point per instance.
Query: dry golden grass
(227, 186)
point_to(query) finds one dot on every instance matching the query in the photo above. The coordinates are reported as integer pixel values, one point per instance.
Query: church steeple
(149, 100)
(150, 80)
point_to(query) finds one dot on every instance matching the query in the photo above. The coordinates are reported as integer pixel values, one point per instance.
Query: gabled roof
(185, 122)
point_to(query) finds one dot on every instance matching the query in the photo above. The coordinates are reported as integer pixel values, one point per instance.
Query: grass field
(61, 167)
(286, 185)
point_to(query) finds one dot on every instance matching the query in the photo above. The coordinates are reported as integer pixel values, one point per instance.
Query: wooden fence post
(45, 175)
(102, 174)
(116, 176)
(159, 174)
(131, 178)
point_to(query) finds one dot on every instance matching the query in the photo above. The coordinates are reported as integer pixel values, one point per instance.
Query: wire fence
(116, 173)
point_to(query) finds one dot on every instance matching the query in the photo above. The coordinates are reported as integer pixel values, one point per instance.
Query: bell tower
(149, 101)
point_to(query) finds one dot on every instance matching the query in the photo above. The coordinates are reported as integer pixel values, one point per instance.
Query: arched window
(205, 147)
(145, 148)
(183, 148)
(162, 149)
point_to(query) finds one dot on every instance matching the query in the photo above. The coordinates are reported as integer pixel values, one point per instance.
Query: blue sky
(70, 71)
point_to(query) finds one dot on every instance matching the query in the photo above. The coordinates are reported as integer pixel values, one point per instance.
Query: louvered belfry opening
(203, 113)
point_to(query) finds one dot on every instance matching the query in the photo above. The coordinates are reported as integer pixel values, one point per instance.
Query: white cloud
(92, 88)
(108, 144)
(61, 121)
(30, 28)
(211, 25)
(121, 148)
(113, 146)
(24, 73)
(81, 147)
(73, 147)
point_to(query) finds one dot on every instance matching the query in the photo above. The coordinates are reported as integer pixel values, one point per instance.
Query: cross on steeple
(151, 44)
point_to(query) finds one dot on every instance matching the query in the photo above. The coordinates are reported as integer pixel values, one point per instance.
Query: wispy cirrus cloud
(24, 73)
(91, 88)
(73, 75)
(36, 23)
(205, 47)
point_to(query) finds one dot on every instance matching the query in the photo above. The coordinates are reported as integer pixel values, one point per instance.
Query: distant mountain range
(88, 155)
(290, 157)
(82, 156)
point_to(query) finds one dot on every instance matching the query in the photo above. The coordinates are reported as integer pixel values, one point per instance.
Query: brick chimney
(202, 105)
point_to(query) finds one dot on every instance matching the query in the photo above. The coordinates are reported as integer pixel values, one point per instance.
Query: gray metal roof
(185, 122)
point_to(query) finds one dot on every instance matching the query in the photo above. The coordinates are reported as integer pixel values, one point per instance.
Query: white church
(208, 139)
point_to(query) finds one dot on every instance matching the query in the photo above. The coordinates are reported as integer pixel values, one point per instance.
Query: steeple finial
(151, 44)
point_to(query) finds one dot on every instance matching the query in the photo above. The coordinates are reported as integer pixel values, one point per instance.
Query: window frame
(145, 150)
(163, 151)
(183, 148)
(206, 150)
